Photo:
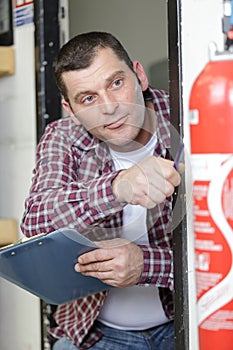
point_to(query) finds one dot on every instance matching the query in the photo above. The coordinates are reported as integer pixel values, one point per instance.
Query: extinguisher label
(213, 228)
(194, 117)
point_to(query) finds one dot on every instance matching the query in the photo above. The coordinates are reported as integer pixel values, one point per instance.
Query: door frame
(47, 43)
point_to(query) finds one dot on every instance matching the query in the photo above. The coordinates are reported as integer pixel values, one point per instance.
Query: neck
(149, 125)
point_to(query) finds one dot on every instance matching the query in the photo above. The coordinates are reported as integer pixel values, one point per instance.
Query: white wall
(201, 24)
(19, 310)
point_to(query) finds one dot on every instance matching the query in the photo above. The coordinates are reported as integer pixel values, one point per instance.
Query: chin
(123, 145)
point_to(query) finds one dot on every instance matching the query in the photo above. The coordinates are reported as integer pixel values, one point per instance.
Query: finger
(77, 267)
(159, 194)
(105, 276)
(150, 199)
(163, 162)
(108, 277)
(171, 177)
(158, 198)
(95, 267)
(181, 168)
(101, 275)
(168, 171)
(95, 255)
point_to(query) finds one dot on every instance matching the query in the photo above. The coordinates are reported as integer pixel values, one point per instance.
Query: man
(106, 171)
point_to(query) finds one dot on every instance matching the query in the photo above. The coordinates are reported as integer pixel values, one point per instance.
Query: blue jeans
(157, 338)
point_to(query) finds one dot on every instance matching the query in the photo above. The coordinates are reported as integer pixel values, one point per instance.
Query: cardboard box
(7, 61)
(8, 231)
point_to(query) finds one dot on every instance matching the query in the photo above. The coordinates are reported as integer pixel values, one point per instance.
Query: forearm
(76, 205)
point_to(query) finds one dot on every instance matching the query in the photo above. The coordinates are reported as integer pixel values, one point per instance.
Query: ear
(67, 107)
(69, 110)
(139, 70)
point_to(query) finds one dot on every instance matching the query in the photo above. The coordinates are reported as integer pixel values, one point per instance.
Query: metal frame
(47, 43)
(180, 232)
(48, 103)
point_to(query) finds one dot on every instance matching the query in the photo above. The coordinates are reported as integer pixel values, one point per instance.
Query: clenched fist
(147, 183)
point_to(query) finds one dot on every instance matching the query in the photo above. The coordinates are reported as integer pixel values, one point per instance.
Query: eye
(117, 83)
(88, 99)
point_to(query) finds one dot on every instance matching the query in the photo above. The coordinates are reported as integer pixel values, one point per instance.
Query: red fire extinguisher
(211, 133)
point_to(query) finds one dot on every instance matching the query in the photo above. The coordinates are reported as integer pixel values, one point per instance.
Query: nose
(108, 105)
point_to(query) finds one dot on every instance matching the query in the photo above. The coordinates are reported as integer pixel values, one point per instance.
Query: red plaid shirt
(72, 188)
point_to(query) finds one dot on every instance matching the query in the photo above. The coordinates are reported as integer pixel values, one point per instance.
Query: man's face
(106, 98)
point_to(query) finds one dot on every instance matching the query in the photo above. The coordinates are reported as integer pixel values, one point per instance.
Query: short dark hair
(80, 51)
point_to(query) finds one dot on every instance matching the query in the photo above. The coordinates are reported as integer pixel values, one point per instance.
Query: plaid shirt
(72, 188)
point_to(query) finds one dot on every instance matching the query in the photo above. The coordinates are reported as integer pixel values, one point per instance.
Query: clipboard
(44, 266)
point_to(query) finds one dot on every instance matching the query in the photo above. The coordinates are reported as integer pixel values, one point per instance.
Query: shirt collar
(163, 128)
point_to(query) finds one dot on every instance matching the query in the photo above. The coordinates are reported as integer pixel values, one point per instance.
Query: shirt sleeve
(158, 255)
(158, 267)
(57, 198)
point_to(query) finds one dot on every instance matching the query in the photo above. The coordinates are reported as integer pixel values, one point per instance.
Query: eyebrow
(115, 74)
(108, 80)
(82, 93)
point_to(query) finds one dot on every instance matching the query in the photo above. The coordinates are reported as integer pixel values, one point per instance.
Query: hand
(147, 183)
(117, 262)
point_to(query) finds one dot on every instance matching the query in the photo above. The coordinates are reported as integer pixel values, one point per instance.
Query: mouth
(117, 123)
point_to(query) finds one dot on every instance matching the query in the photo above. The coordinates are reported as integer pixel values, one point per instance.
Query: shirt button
(160, 278)
(148, 280)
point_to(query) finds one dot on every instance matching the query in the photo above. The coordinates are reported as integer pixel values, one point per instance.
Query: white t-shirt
(136, 307)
